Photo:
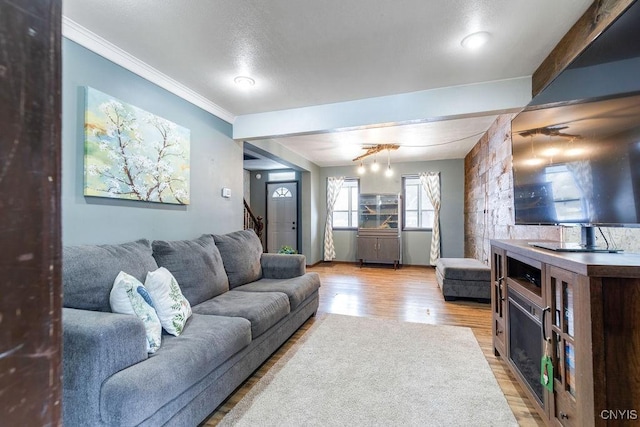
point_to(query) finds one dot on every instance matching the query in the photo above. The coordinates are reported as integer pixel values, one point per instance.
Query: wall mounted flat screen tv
(578, 163)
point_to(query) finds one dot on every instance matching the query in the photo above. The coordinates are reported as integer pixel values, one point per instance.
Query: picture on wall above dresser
(133, 154)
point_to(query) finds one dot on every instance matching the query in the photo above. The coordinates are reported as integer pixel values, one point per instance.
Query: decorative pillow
(172, 307)
(241, 252)
(196, 265)
(129, 296)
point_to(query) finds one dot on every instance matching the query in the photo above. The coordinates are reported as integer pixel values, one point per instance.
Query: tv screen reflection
(578, 163)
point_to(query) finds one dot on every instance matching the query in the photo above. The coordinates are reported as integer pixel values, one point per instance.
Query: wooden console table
(588, 308)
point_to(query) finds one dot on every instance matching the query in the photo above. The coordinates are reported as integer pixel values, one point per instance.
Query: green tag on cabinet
(546, 372)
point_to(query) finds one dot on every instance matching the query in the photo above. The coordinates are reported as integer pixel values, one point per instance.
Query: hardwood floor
(409, 294)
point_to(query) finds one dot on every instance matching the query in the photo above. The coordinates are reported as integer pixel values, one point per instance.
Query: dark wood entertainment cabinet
(588, 305)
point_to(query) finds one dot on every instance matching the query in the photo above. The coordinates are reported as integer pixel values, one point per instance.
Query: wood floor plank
(408, 294)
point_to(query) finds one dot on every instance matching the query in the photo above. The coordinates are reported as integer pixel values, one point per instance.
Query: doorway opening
(282, 217)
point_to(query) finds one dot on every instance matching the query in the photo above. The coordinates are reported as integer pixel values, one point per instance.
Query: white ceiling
(307, 52)
(450, 139)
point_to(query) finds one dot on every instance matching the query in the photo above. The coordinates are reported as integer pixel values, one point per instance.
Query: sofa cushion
(475, 289)
(297, 289)
(282, 266)
(463, 269)
(172, 307)
(262, 309)
(129, 296)
(241, 251)
(137, 392)
(195, 264)
(88, 271)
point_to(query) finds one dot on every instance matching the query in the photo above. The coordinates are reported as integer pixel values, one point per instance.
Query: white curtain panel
(334, 184)
(431, 183)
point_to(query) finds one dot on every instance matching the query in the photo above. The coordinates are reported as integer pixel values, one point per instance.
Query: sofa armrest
(96, 345)
(282, 266)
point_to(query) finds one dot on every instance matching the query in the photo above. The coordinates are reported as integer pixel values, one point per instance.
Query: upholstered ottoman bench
(463, 278)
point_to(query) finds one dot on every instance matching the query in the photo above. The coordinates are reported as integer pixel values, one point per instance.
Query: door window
(281, 192)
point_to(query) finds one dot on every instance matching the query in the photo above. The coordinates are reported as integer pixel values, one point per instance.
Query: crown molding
(79, 34)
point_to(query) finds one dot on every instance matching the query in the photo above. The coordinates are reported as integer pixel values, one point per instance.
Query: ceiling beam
(591, 24)
(453, 102)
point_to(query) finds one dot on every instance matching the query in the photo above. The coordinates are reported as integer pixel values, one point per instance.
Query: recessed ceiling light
(244, 81)
(475, 40)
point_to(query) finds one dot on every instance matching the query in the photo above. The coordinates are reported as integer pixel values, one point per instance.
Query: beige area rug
(354, 371)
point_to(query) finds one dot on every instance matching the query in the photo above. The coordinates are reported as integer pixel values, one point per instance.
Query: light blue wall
(216, 162)
(415, 244)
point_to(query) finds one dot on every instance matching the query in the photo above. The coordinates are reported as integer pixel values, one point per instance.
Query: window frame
(281, 176)
(420, 205)
(350, 203)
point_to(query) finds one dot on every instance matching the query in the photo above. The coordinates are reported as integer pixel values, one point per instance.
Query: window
(418, 210)
(282, 176)
(345, 211)
(567, 197)
(281, 192)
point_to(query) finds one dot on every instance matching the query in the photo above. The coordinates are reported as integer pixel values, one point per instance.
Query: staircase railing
(252, 221)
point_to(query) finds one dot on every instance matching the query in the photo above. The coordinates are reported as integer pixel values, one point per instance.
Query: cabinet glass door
(498, 301)
(563, 293)
(498, 282)
(368, 211)
(388, 209)
(378, 211)
(563, 326)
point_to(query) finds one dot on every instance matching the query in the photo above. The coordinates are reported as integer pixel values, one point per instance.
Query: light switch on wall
(226, 192)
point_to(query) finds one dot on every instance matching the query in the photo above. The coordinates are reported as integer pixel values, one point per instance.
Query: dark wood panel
(30, 287)
(621, 311)
(595, 20)
(584, 333)
(606, 315)
(598, 344)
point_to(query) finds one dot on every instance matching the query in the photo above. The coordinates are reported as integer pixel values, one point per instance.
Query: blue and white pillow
(172, 307)
(129, 296)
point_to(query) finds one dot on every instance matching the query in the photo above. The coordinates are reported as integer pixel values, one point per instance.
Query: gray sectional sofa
(245, 305)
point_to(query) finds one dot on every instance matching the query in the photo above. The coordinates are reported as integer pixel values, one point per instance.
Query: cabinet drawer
(565, 408)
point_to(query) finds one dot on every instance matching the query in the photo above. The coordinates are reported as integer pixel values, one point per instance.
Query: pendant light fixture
(372, 150)
(375, 166)
(389, 171)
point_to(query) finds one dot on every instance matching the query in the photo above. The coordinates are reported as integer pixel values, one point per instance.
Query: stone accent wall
(488, 206)
(627, 239)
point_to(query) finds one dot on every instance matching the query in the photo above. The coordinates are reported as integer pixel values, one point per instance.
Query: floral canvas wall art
(133, 154)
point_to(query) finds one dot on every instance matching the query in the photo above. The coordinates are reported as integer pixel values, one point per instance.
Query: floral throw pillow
(129, 296)
(172, 307)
